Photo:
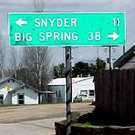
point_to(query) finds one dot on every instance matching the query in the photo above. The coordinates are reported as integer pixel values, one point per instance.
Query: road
(35, 119)
(36, 127)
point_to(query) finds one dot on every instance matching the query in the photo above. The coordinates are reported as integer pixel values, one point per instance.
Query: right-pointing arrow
(113, 36)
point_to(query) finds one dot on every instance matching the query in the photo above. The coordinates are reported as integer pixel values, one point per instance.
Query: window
(20, 98)
(91, 93)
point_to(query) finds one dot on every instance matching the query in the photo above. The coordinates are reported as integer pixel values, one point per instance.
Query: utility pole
(124, 49)
(68, 72)
(110, 57)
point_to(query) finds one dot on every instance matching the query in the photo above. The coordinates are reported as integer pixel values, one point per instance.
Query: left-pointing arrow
(21, 22)
(114, 36)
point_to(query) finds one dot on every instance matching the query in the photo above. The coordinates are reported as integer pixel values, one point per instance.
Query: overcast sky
(79, 53)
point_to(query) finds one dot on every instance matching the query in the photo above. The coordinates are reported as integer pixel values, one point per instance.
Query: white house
(16, 92)
(80, 86)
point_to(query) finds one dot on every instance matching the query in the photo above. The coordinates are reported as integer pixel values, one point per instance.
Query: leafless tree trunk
(13, 62)
(2, 57)
(36, 61)
(2, 62)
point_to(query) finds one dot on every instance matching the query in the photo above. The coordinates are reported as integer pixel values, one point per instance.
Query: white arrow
(21, 22)
(114, 36)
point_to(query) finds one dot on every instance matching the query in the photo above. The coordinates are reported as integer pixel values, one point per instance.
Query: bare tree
(13, 58)
(37, 63)
(1, 62)
(2, 56)
(12, 62)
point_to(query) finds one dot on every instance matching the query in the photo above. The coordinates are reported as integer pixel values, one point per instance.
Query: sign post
(73, 29)
(68, 72)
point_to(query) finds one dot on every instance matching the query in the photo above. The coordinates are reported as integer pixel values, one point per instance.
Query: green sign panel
(71, 29)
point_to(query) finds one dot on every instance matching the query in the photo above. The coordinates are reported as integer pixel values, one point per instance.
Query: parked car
(77, 99)
(85, 96)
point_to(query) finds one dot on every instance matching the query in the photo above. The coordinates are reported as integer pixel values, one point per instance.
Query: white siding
(30, 96)
(86, 84)
(78, 84)
(14, 99)
(7, 99)
(3, 90)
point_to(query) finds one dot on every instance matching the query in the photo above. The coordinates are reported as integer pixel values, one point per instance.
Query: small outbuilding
(81, 86)
(14, 92)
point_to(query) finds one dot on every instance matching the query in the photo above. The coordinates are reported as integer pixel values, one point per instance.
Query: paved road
(35, 112)
(37, 127)
(35, 119)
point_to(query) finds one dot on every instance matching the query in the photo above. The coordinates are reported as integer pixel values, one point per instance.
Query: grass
(85, 125)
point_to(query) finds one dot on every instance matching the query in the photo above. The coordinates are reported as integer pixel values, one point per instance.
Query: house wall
(82, 85)
(6, 96)
(60, 92)
(5, 88)
(8, 99)
(30, 96)
(76, 88)
(130, 64)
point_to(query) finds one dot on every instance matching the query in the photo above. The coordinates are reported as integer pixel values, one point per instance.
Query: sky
(87, 54)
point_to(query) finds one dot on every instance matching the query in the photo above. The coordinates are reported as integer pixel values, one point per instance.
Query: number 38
(94, 36)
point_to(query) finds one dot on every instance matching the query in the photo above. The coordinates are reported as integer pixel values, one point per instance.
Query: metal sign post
(110, 57)
(68, 71)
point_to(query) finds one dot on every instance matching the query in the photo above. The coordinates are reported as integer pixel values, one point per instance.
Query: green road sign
(72, 29)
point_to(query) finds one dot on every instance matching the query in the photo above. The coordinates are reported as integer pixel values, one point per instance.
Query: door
(1, 99)
(20, 99)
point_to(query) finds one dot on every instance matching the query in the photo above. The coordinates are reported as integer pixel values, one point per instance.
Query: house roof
(3, 80)
(124, 58)
(62, 81)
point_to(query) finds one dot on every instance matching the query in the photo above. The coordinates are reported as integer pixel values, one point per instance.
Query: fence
(115, 94)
